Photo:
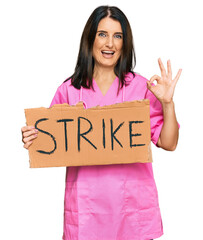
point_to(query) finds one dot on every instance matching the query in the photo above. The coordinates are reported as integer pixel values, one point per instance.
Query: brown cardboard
(74, 136)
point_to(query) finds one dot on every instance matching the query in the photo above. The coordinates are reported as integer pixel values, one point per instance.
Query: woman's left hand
(164, 89)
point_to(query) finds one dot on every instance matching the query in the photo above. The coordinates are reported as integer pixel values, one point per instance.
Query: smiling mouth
(108, 52)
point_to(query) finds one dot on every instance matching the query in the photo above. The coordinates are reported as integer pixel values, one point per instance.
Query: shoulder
(136, 82)
(136, 86)
(66, 87)
(65, 93)
(135, 78)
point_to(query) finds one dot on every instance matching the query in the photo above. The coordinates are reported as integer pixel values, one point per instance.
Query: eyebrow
(107, 32)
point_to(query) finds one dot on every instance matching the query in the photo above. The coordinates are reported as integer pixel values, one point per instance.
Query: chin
(108, 64)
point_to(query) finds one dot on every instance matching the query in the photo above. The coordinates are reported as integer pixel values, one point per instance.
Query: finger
(30, 138)
(27, 128)
(162, 68)
(149, 85)
(177, 76)
(27, 145)
(169, 69)
(155, 78)
(29, 133)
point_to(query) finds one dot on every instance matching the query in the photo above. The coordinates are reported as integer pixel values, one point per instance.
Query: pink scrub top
(112, 202)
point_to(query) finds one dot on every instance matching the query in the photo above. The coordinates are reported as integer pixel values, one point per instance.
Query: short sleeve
(156, 116)
(61, 95)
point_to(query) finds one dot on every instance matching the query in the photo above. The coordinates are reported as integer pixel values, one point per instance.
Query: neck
(103, 74)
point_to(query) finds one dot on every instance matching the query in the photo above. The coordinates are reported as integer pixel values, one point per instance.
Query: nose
(109, 41)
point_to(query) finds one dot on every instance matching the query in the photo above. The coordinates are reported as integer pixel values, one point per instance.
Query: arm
(164, 91)
(168, 138)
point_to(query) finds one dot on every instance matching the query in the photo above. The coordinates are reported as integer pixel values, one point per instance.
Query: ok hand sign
(164, 89)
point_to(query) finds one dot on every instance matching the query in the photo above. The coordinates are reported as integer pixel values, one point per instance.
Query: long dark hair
(85, 63)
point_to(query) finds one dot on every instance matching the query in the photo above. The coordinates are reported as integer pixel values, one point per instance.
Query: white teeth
(108, 52)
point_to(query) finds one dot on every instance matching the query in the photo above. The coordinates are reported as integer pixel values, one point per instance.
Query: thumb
(149, 85)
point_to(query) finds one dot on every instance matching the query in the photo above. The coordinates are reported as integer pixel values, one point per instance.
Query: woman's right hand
(29, 133)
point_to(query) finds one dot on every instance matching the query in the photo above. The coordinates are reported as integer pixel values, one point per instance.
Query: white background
(38, 49)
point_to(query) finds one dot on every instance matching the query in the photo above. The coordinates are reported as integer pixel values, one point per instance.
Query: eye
(119, 36)
(101, 34)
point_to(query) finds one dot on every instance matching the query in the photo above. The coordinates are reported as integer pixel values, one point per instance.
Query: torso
(107, 200)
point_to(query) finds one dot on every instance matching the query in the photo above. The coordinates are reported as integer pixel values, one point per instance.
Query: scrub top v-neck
(98, 99)
(110, 89)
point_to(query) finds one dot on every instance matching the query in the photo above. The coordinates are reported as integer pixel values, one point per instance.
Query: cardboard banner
(74, 136)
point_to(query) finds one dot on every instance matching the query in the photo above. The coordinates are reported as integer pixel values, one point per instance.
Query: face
(108, 43)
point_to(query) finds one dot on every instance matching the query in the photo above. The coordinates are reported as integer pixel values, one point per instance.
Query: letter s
(49, 134)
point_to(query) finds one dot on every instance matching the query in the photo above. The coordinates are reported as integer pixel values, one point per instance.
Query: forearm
(169, 134)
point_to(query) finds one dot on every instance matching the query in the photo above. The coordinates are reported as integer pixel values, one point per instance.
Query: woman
(114, 202)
